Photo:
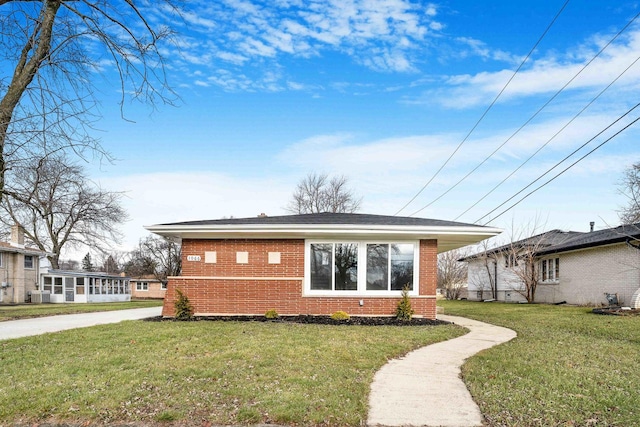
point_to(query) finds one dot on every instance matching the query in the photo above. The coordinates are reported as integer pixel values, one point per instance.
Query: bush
(403, 310)
(271, 314)
(340, 315)
(184, 309)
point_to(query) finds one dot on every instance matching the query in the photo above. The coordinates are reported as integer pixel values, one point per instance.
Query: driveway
(42, 325)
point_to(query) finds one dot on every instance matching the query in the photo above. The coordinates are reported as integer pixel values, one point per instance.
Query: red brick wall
(262, 286)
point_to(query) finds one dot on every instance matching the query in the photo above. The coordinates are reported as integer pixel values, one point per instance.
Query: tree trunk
(25, 71)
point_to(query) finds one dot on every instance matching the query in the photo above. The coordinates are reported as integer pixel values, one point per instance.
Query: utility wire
(558, 164)
(530, 118)
(549, 141)
(487, 110)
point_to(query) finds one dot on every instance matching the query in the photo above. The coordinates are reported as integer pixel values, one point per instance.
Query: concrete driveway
(42, 325)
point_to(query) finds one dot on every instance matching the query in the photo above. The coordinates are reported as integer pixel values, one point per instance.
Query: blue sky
(381, 92)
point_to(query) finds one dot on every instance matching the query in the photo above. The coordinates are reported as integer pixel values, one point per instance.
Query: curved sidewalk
(424, 388)
(41, 325)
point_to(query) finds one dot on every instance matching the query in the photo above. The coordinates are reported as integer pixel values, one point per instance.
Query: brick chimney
(17, 235)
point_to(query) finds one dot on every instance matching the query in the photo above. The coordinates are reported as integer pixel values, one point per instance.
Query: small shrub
(403, 310)
(184, 309)
(271, 314)
(340, 315)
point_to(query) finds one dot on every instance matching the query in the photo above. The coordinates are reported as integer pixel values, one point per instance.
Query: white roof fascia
(321, 230)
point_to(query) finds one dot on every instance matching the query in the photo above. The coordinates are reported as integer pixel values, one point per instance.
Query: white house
(572, 267)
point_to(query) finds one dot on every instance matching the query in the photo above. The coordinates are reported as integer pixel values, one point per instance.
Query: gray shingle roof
(327, 218)
(556, 241)
(595, 238)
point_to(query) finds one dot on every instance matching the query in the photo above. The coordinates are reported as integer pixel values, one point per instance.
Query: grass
(201, 373)
(14, 312)
(568, 367)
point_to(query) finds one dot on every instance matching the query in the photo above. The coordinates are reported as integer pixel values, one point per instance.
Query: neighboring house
(148, 287)
(572, 267)
(19, 266)
(83, 286)
(312, 264)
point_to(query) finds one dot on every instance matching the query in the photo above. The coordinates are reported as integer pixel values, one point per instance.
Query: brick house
(575, 267)
(313, 263)
(19, 266)
(148, 287)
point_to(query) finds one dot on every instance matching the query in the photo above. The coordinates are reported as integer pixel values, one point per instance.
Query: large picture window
(361, 267)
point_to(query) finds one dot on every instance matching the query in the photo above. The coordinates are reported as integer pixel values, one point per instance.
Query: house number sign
(193, 258)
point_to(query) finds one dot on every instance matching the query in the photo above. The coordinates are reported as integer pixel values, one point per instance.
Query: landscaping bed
(309, 319)
(616, 311)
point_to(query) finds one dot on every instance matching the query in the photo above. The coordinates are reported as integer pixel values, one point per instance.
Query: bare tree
(629, 186)
(452, 273)
(318, 193)
(521, 256)
(54, 50)
(155, 255)
(485, 279)
(59, 207)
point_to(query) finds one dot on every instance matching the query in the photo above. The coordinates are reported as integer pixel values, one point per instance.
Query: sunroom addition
(82, 286)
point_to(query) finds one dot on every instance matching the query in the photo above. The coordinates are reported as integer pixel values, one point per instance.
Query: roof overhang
(449, 237)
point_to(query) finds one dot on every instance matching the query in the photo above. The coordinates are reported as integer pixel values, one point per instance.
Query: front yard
(201, 372)
(568, 367)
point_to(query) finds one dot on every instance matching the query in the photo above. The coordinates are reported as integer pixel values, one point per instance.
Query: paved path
(424, 388)
(28, 327)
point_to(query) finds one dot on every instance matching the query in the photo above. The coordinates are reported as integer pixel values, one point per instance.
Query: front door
(69, 291)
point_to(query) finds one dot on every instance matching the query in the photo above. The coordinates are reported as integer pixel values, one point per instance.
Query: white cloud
(545, 75)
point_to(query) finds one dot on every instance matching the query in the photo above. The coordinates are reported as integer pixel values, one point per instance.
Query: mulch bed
(616, 311)
(322, 320)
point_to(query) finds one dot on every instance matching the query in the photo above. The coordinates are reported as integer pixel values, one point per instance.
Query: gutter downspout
(495, 280)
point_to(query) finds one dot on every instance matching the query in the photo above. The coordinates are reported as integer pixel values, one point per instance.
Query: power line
(487, 110)
(549, 140)
(564, 170)
(531, 118)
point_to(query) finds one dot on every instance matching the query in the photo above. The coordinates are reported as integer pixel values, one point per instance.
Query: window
(510, 260)
(142, 286)
(1, 260)
(163, 286)
(47, 284)
(80, 285)
(360, 267)
(550, 270)
(28, 261)
(57, 285)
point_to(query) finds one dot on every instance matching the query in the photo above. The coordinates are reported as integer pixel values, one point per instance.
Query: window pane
(346, 263)
(401, 266)
(47, 286)
(557, 269)
(80, 286)
(57, 285)
(321, 262)
(377, 267)
(544, 269)
(28, 261)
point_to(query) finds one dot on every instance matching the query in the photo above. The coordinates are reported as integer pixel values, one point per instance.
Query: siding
(586, 275)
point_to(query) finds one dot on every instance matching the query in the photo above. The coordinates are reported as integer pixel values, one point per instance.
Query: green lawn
(201, 372)
(13, 312)
(568, 367)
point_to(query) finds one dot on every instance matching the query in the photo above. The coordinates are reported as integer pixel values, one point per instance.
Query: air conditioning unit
(36, 297)
(46, 297)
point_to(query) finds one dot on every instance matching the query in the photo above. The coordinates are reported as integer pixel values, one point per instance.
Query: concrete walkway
(424, 388)
(41, 325)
